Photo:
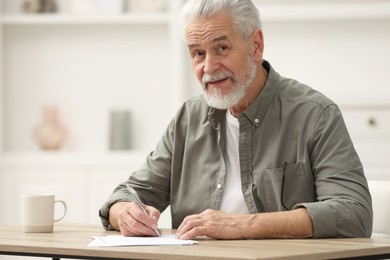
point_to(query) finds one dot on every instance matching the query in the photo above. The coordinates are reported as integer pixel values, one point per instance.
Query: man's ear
(257, 42)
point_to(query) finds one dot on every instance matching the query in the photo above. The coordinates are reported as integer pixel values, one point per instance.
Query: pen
(137, 200)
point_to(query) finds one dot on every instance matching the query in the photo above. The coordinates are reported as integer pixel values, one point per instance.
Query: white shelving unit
(136, 62)
(77, 83)
(89, 65)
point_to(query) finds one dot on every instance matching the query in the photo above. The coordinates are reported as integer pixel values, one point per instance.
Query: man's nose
(211, 64)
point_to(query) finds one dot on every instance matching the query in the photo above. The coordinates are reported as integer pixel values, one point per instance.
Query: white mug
(38, 212)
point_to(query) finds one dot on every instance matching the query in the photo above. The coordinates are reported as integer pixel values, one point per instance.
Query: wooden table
(71, 240)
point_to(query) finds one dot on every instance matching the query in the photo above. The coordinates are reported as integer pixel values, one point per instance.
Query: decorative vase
(120, 130)
(50, 134)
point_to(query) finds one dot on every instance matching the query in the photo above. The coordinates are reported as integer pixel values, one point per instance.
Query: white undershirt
(232, 197)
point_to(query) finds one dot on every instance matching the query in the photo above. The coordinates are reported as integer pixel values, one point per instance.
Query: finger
(149, 219)
(183, 224)
(135, 222)
(153, 213)
(190, 227)
(191, 218)
(139, 229)
(124, 220)
(194, 232)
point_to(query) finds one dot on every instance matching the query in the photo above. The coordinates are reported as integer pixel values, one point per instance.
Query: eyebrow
(217, 39)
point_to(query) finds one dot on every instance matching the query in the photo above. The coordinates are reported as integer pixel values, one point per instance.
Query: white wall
(348, 60)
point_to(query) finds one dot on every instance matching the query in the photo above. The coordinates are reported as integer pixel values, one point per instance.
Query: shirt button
(256, 121)
(219, 186)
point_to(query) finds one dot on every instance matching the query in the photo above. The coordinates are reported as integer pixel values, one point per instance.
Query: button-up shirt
(294, 151)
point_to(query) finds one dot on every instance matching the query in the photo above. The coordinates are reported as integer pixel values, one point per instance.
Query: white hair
(244, 13)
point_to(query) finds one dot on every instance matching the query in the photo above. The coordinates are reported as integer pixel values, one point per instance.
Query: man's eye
(223, 49)
(197, 54)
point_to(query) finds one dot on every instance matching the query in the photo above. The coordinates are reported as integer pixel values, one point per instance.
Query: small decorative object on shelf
(120, 130)
(39, 6)
(50, 134)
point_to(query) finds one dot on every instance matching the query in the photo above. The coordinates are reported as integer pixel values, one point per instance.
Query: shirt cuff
(324, 221)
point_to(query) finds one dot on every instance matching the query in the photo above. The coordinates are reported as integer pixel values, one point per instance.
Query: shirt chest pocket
(282, 188)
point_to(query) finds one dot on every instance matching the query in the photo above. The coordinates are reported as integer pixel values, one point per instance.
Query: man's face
(220, 59)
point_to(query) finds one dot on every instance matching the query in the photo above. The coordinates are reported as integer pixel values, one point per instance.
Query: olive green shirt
(294, 149)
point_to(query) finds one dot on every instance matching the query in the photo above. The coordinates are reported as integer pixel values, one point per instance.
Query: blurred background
(88, 86)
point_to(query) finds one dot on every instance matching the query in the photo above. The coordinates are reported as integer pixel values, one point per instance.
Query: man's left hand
(214, 224)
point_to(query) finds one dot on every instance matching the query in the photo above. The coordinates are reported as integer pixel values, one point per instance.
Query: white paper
(118, 240)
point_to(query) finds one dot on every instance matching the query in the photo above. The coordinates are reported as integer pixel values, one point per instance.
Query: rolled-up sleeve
(344, 207)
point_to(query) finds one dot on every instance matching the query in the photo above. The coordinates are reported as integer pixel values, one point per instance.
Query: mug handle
(64, 204)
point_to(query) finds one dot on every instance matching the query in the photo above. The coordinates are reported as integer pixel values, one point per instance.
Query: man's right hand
(130, 220)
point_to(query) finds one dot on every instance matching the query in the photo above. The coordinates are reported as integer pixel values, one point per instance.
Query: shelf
(59, 19)
(273, 12)
(324, 11)
(365, 106)
(112, 159)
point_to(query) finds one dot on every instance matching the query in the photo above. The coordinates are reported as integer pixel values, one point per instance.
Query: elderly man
(257, 156)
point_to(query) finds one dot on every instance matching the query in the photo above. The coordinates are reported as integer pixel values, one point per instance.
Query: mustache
(216, 76)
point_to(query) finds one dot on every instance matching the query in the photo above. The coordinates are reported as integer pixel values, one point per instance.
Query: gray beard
(219, 101)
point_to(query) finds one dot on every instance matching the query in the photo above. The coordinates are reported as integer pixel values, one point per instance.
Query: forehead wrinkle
(209, 37)
(196, 36)
(213, 40)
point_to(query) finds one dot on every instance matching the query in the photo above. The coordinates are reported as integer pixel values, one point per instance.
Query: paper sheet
(118, 240)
